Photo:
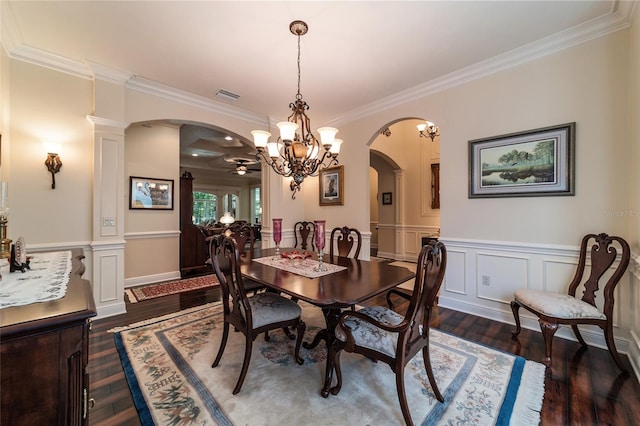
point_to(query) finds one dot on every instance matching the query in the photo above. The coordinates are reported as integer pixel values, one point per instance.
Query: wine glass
(277, 234)
(320, 244)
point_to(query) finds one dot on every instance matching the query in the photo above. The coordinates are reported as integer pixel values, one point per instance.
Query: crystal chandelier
(297, 153)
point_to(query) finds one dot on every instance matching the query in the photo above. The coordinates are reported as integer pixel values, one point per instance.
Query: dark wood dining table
(361, 280)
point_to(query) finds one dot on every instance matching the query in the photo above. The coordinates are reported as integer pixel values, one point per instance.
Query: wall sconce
(53, 162)
(428, 130)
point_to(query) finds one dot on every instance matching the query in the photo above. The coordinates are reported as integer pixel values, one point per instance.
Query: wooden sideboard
(44, 351)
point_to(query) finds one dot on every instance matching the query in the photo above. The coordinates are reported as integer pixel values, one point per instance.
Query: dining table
(347, 282)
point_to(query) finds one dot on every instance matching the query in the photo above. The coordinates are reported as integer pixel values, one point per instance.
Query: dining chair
(382, 334)
(306, 231)
(552, 309)
(348, 242)
(250, 315)
(245, 238)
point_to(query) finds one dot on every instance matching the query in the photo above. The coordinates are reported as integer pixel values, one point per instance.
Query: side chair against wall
(554, 309)
(250, 315)
(345, 239)
(381, 334)
(303, 230)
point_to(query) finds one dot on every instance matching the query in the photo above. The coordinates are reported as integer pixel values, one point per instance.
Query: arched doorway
(403, 206)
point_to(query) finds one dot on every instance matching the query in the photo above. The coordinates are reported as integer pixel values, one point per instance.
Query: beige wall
(46, 105)
(153, 238)
(634, 187)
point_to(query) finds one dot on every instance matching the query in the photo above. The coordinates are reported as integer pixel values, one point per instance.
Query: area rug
(151, 291)
(167, 362)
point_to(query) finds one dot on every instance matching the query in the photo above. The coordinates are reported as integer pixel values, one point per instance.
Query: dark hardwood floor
(584, 387)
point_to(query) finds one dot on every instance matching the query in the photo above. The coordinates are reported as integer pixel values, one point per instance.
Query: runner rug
(151, 291)
(167, 362)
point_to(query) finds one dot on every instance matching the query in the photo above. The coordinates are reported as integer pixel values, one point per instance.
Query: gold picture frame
(331, 187)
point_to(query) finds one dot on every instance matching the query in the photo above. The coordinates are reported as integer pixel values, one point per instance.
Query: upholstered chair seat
(368, 335)
(270, 308)
(557, 305)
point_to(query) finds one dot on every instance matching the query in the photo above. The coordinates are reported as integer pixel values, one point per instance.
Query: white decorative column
(400, 214)
(108, 216)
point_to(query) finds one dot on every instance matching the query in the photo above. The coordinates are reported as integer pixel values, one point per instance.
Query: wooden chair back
(242, 232)
(304, 233)
(346, 240)
(602, 254)
(226, 259)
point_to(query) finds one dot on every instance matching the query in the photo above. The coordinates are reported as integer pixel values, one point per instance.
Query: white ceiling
(356, 55)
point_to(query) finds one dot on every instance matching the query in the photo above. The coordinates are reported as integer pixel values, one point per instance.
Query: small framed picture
(386, 198)
(150, 193)
(332, 186)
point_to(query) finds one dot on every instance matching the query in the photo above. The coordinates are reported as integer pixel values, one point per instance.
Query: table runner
(46, 280)
(304, 267)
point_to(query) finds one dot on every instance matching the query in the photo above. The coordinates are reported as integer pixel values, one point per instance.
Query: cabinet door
(43, 378)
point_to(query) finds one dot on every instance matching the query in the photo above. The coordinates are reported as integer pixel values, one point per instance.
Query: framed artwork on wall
(533, 163)
(150, 193)
(387, 198)
(331, 187)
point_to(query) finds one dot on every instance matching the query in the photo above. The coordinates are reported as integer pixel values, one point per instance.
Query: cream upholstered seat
(557, 304)
(554, 309)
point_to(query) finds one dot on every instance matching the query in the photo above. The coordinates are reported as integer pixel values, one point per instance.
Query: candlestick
(320, 244)
(277, 234)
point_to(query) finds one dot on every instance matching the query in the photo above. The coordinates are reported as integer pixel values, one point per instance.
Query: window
(257, 207)
(204, 207)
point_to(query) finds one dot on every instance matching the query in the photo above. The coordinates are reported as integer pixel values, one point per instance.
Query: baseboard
(150, 279)
(111, 310)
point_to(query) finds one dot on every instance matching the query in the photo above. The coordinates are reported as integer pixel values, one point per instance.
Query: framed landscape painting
(538, 162)
(150, 193)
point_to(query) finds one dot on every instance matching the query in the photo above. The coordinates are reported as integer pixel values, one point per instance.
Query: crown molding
(618, 19)
(143, 85)
(111, 75)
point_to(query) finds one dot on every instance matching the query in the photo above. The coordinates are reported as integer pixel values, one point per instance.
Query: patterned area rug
(167, 362)
(152, 291)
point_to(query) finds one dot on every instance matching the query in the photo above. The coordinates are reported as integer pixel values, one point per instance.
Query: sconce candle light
(53, 162)
(428, 130)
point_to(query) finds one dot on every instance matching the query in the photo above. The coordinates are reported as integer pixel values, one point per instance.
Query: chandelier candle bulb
(287, 130)
(260, 138)
(335, 147)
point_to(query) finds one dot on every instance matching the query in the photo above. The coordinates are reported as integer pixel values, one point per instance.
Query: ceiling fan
(241, 167)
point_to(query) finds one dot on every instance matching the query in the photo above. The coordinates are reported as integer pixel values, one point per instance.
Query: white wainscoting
(482, 276)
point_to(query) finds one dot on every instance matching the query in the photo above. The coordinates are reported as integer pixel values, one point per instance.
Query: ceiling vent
(227, 95)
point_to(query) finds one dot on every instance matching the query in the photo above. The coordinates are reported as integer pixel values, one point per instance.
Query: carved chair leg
(515, 307)
(611, 344)
(301, 329)
(432, 380)
(334, 352)
(402, 396)
(245, 365)
(288, 333)
(223, 344)
(548, 330)
(576, 331)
